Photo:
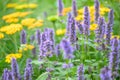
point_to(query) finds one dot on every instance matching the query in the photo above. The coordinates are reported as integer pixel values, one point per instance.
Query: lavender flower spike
(105, 74)
(114, 57)
(80, 73)
(23, 37)
(15, 70)
(109, 27)
(4, 75)
(74, 8)
(28, 71)
(86, 22)
(69, 21)
(57, 50)
(100, 32)
(97, 10)
(72, 36)
(38, 37)
(68, 50)
(60, 7)
(80, 27)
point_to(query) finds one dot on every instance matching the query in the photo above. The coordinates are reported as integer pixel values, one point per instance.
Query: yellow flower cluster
(11, 5)
(93, 26)
(11, 29)
(66, 10)
(1, 35)
(60, 32)
(12, 55)
(31, 23)
(24, 6)
(25, 47)
(13, 17)
(21, 6)
(80, 16)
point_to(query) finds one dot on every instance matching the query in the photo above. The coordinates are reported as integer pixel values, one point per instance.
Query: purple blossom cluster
(47, 47)
(114, 57)
(80, 73)
(100, 33)
(60, 7)
(23, 37)
(14, 73)
(109, 27)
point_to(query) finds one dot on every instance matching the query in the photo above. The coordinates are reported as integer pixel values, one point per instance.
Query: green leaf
(43, 76)
(36, 62)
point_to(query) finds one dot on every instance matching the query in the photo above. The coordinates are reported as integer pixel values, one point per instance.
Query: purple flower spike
(28, 70)
(100, 32)
(68, 50)
(74, 8)
(80, 73)
(97, 10)
(4, 76)
(57, 50)
(109, 27)
(60, 7)
(69, 21)
(15, 70)
(86, 22)
(72, 36)
(38, 37)
(23, 37)
(80, 27)
(114, 57)
(105, 74)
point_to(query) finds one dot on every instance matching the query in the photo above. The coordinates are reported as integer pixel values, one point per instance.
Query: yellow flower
(15, 15)
(29, 46)
(12, 20)
(1, 35)
(66, 10)
(79, 18)
(32, 23)
(24, 6)
(38, 23)
(28, 21)
(60, 31)
(12, 55)
(11, 29)
(11, 5)
(93, 27)
(25, 47)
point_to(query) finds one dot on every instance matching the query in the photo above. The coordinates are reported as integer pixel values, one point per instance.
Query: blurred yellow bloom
(11, 29)
(12, 55)
(12, 20)
(24, 6)
(79, 17)
(25, 47)
(1, 35)
(66, 10)
(93, 27)
(15, 15)
(31, 23)
(60, 31)
(38, 23)
(28, 21)
(11, 5)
